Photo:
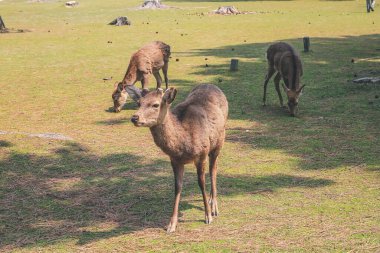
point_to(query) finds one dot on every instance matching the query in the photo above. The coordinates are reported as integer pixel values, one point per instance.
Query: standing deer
(283, 59)
(146, 61)
(193, 130)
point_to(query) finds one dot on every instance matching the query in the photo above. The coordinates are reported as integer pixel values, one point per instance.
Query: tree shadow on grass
(338, 120)
(73, 193)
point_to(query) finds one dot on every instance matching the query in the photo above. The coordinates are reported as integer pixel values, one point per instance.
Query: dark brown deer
(146, 61)
(189, 133)
(283, 59)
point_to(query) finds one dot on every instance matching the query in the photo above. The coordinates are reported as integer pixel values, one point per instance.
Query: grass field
(305, 184)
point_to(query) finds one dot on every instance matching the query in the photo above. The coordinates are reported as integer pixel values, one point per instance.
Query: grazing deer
(283, 59)
(146, 61)
(193, 130)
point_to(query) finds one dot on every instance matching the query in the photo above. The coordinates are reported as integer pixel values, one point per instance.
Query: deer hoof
(214, 207)
(171, 228)
(208, 219)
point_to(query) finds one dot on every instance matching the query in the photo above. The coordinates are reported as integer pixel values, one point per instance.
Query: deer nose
(135, 118)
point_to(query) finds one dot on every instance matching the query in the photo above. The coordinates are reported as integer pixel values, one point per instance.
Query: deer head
(119, 97)
(154, 108)
(293, 97)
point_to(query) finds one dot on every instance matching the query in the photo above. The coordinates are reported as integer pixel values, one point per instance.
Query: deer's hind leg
(158, 78)
(277, 79)
(201, 165)
(165, 72)
(270, 73)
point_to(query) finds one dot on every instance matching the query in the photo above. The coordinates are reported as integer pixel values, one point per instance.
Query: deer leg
(201, 164)
(165, 71)
(277, 79)
(158, 79)
(144, 84)
(178, 170)
(270, 73)
(213, 160)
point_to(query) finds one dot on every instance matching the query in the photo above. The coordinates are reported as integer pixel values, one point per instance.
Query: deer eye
(156, 105)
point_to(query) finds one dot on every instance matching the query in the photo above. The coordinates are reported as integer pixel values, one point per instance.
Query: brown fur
(146, 61)
(193, 130)
(283, 59)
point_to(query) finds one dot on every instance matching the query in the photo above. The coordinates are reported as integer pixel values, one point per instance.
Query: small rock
(119, 21)
(71, 3)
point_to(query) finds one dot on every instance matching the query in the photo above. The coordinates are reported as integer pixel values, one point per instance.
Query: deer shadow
(73, 193)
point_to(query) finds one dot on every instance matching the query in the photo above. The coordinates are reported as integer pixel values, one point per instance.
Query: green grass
(305, 184)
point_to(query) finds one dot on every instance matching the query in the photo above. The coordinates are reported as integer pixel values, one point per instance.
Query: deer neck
(169, 134)
(130, 77)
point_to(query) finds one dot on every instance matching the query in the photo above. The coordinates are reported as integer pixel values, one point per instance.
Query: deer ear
(119, 87)
(169, 95)
(133, 92)
(286, 89)
(301, 89)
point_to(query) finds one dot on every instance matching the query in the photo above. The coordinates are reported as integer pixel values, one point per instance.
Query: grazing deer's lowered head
(189, 133)
(119, 97)
(293, 97)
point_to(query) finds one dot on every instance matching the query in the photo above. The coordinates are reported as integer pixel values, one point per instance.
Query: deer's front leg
(178, 170)
(270, 73)
(144, 84)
